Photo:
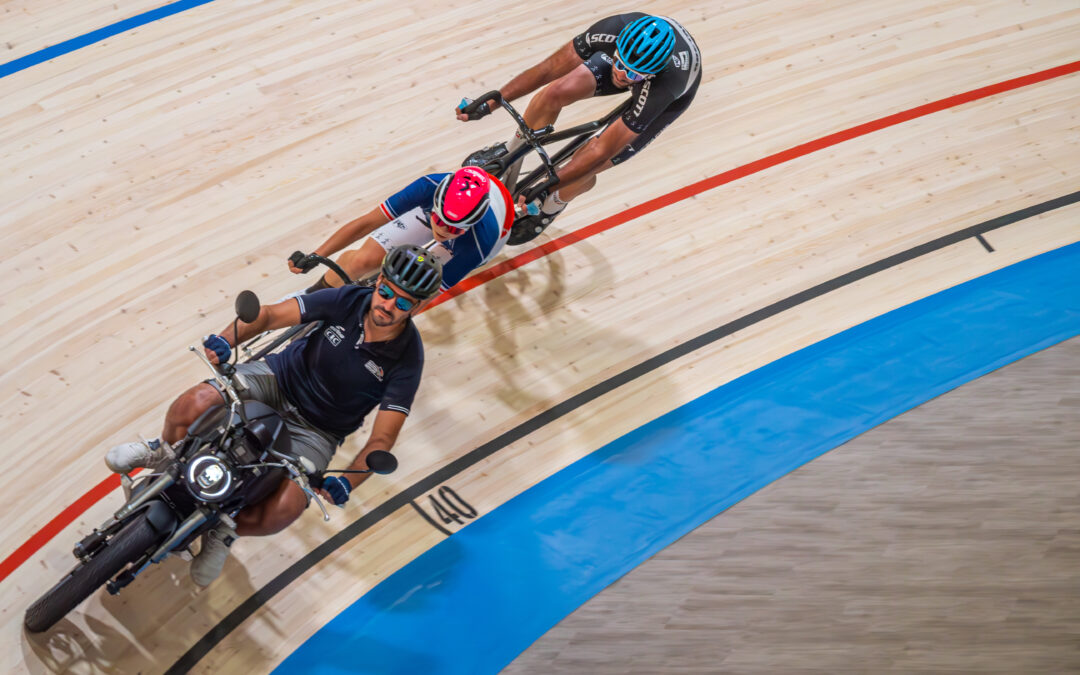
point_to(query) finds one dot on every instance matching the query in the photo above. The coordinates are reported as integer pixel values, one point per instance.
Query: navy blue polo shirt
(333, 376)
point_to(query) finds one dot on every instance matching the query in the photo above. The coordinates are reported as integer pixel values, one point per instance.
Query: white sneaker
(126, 456)
(207, 566)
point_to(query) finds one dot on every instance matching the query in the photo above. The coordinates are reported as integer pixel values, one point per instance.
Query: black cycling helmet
(412, 269)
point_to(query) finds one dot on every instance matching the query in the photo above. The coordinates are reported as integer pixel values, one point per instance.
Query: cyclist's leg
(587, 182)
(544, 108)
(591, 78)
(358, 263)
(565, 193)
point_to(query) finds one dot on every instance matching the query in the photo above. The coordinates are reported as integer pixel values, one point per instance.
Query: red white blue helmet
(462, 198)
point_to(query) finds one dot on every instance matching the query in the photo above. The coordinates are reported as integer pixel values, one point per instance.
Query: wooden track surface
(149, 178)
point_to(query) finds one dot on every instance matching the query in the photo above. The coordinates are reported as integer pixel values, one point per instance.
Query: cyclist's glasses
(436, 220)
(630, 75)
(404, 304)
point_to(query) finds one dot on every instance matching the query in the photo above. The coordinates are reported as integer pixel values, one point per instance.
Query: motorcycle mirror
(247, 306)
(381, 461)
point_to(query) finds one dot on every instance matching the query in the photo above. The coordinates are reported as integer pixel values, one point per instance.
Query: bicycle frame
(535, 140)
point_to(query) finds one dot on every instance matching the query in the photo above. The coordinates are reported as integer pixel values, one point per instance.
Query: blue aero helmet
(645, 44)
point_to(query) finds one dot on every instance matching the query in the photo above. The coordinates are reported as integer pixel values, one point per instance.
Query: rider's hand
(337, 489)
(483, 111)
(217, 349)
(293, 268)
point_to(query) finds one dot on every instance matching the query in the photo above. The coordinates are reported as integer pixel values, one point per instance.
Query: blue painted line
(98, 35)
(477, 599)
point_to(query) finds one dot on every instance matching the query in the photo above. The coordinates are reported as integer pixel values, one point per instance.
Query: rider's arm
(384, 433)
(271, 317)
(550, 69)
(417, 193)
(352, 231)
(597, 151)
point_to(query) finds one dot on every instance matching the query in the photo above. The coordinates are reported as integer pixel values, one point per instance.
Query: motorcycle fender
(161, 517)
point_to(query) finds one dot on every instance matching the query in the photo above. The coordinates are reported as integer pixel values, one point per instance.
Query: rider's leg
(544, 108)
(358, 263)
(184, 410)
(559, 198)
(273, 514)
(286, 502)
(270, 516)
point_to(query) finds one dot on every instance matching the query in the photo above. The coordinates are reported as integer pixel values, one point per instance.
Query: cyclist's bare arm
(550, 69)
(348, 233)
(597, 151)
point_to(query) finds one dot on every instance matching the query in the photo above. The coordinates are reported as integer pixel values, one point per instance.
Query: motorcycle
(233, 456)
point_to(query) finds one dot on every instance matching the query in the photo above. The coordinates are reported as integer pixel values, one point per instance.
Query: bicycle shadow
(542, 303)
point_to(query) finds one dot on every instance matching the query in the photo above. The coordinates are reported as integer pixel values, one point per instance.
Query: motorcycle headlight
(209, 478)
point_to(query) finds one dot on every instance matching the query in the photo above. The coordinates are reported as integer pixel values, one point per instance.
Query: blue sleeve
(420, 193)
(463, 262)
(323, 304)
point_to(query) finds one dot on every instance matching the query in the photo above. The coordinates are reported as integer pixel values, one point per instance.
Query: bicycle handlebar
(473, 107)
(309, 261)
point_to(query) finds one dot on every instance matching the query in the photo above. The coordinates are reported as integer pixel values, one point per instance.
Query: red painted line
(54, 526)
(68, 515)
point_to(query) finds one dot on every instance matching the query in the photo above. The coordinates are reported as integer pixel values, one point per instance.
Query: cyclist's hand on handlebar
(300, 263)
(217, 349)
(483, 110)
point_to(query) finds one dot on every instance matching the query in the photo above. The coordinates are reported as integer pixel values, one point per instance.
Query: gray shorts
(260, 384)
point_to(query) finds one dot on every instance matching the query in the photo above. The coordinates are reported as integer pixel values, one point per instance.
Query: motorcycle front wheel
(125, 546)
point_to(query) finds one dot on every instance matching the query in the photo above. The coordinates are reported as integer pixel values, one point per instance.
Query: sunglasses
(404, 304)
(436, 220)
(630, 74)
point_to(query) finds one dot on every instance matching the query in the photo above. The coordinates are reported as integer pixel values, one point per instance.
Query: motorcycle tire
(126, 546)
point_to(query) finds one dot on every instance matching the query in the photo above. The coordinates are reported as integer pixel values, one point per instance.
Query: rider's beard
(382, 318)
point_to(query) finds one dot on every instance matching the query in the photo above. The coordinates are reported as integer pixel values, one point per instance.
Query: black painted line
(443, 474)
(986, 244)
(428, 518)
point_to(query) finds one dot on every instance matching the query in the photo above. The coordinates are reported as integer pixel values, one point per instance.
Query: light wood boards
(151, 177)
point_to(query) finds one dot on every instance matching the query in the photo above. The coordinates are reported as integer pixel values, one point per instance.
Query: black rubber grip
(474, 110)
(301, 260)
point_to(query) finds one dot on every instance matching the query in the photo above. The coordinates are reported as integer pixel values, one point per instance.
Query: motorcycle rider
(368, 354)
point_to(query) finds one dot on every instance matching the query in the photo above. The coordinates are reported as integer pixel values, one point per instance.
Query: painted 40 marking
(452, 508)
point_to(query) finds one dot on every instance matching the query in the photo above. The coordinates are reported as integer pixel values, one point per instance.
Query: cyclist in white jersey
(468, 212)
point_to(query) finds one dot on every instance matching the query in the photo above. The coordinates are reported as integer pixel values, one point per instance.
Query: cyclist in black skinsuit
(653, 57)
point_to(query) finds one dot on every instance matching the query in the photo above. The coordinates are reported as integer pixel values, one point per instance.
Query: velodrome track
(842, 160)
